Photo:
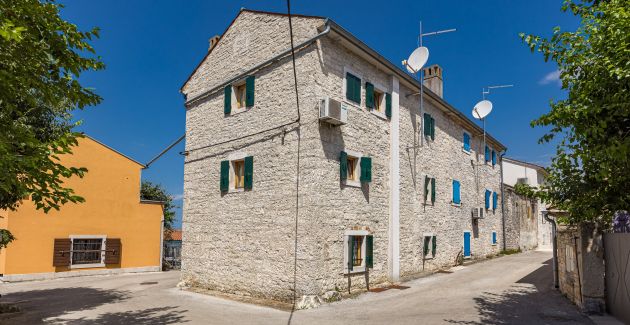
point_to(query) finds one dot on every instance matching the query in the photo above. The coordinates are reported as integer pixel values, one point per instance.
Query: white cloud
(177, 197)
(551, 78)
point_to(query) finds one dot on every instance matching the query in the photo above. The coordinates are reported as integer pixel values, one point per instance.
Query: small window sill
(468, 152)
(351, 103)
(86, 266)
(495, 244)
(379, 114)
(459, 205)
(351, 183)
(236, 111)
(235, 190)
(356, 270)
(428, 258)
(428, 204)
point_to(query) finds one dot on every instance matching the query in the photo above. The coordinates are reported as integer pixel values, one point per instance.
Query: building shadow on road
(532, 300)
(153, 316)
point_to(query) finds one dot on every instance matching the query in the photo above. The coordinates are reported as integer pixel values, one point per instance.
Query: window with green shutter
(388, 105)
(227, 100)
(427, 180)
(249, 172)
(343, 165)
(366, 169)
(433, 245)
(249, 91)
(353, 88)
(427, 241)
(224, 183)
(369, 251)
(369, 95)
(432, 128)
(429, 126)
(350, 253)
(432, 190)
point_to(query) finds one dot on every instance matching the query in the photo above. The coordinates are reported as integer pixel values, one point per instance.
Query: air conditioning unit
(477, 213)
(333, 111)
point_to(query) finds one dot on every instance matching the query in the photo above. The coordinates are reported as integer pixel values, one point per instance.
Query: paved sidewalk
(514, 289)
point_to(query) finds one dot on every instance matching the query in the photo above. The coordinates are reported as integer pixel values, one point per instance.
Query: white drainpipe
(394, 197)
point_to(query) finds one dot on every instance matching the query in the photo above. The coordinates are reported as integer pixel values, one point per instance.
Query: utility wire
(297, 180)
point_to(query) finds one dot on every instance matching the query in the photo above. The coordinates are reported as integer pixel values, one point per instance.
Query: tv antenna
(419, 58)
(483, 108)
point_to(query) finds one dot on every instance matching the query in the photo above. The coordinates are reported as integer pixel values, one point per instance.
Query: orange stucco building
(112, 231)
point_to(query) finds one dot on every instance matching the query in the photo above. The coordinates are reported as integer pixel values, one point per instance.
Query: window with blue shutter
(495, 197)
(494, 158)
(456, 194)
(487, 154)
(494, 238)
(353, 88)
(466, 141)
(487, 199)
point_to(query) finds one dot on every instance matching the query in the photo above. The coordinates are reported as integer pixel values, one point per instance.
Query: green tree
(156, 192)
(590, 175)
(41, 58)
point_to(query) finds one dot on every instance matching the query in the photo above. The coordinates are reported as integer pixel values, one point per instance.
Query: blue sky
(150, 48)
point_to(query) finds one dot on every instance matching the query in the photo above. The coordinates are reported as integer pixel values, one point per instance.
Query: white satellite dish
(417, 59)
(482, 109)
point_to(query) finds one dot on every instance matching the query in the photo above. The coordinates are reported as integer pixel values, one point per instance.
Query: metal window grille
(357, 259)
(87, 251)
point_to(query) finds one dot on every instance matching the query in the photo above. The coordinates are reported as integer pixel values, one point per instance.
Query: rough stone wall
(521, 224)
(245, 243)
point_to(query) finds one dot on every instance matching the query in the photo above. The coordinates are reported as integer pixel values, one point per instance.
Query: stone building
(278, 201)
(515, 172)
(521, 226)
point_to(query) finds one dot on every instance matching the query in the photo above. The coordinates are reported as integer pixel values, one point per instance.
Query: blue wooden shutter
(369, 95)
(487, 199)
(249, 173)
(343, 165)
(227, 100)
(494, 237)
(432, 190)
(466, 141)
(487, 154)
(456, 196)
(350, 252)
(388, 105)
(249, 91)
(224, 182)
(495, 197)
(494, 158)
(366, 169)
(369, 250)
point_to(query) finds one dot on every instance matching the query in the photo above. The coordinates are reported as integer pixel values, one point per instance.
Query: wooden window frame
(239, 180)
(356, 182)
(232, 158)
(356, 268)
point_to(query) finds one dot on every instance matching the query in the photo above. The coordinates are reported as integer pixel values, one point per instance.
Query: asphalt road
(514, 289)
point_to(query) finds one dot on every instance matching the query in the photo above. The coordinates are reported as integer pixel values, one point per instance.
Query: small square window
(239, 173)
(240, 92)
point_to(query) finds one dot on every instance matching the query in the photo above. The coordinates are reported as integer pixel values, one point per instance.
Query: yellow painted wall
(112, 207)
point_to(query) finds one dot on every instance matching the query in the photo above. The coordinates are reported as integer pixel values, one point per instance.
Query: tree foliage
(156, 192)
(590, 174)
(41, 58)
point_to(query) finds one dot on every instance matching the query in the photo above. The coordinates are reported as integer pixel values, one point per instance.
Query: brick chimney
(213, 41)
(433, 79)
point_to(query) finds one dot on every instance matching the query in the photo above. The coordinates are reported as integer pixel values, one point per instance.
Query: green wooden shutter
(426, 245)
(350, 252)
(427, 124)
(249, 91)
(353, 88)
(369, 95)
(388, 105)
(366, 169)
(369, 260)
(426, 188)
(432, 190)
(357, 90)
(343, 165)
(227, 100)
(349, 86)
(434, 245)
(249, 172)
(432, 128)
(224, 183)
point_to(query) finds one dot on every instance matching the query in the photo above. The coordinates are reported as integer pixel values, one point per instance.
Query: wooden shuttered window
(429, 126)
(494, 157)
(466, 141)
(353, 88)
(388, 105)
(113, 250)
(434, 245)
(249, 173)
(343, 165)
(495, 198)
(432, 190)
(427, 180)
(61, 252)
(227, 100)
(369, 95)
(224, 182)
(350, 253)
(487, 154)
(366, 169)
(249, 91)
(456, 192)
(425, 250)
(369, 251)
